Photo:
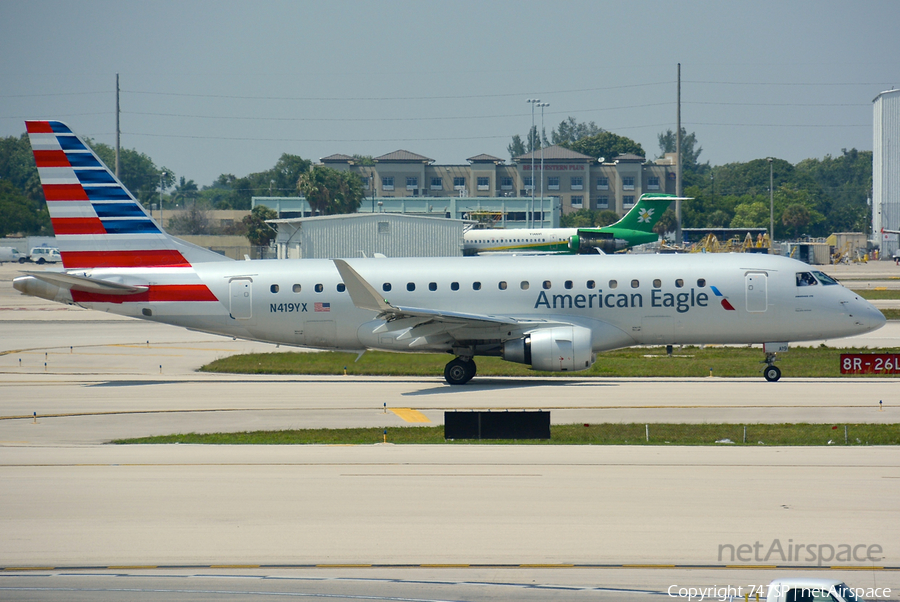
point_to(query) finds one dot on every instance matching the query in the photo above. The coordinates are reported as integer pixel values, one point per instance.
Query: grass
(566, 434)
(814, 362)
(873, 294)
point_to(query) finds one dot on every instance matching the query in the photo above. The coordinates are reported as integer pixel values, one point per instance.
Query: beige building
(575, 180)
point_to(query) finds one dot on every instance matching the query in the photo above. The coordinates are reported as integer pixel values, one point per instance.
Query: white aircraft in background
(552, 313)
(634, 228)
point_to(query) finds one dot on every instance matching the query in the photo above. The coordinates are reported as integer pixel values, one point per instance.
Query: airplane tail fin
(97, 221)
(647, 211)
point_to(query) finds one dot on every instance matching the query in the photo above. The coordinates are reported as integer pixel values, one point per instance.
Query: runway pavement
(295, 515)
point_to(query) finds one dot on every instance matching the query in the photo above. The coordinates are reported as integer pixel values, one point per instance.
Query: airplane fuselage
(623, 300)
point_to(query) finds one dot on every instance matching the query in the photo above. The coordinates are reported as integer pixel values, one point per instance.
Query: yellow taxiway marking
(410, 415)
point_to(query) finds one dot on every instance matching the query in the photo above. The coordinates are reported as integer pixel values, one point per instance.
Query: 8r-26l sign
(870, 363)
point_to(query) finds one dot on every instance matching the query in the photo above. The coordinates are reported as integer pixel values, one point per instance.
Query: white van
(44, 255)
(10, 254)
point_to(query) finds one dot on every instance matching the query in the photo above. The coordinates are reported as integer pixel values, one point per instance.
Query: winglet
(362, 293)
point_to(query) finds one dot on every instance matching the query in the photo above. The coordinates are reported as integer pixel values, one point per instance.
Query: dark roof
(629, 157)
(483, 158)
(336, 158)
(404, 156)
(555, 152)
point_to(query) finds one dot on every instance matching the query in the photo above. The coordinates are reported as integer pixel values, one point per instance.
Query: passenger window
(568, 284)
(296, 288)
(613, 284)
(657, 283)
(524, 285)
(591, 284)
(274, 288)
(701, 282)
(476, 286)
(679, 283)
(341, 287)
(432, 286)
(454, 286)
(386, 287)
(546, 285)
(502, 285)
(410, 286)
(635, 283)
(320, 288)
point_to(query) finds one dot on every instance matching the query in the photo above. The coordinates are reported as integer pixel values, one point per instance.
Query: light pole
(542, 105)
(161, 176)
(532, 102)
(771, 206)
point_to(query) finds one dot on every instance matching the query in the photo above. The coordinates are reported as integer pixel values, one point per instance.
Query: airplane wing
(365, 296)
(86, 284)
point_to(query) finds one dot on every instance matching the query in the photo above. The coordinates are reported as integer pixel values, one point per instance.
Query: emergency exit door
(241, 298)
(757, 294)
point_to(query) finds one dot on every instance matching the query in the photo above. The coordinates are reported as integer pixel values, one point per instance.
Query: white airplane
(553, 313)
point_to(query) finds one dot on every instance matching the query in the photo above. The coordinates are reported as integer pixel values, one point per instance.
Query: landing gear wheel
(459, 371)
(772, 373)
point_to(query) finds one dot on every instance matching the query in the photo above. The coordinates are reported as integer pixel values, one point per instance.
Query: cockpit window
(806, 279)
(825, 278)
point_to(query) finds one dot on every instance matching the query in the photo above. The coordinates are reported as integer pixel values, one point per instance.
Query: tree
(259, 233)
(690, 155)
(516, 148)
(666, 223)
(185, 193)
(329, 191)
(20, 214)
(750, 215)
(193, 221)
(605, 144)
(569, 131)
(796, 216)
(587, 218)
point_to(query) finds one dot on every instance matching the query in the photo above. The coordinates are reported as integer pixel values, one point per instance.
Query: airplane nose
(868, 316)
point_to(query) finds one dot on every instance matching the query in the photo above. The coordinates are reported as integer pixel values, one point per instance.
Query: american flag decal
(322, 307)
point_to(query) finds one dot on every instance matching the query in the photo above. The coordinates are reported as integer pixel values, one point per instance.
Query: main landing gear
(771, 372)
(459, 371)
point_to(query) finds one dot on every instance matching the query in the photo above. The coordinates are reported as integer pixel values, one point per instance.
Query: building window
(628, 183)
(628, 200)
(459, 183)
(602, 183)
(483, 183)
(603, 202)
(384, 227)
(652, 183)
(577, 183)
(412, 182)
(553, 183)
(387, 182)
(577, 202)
(506, 183)
(365, 182)
(529, 183)
(437, 183)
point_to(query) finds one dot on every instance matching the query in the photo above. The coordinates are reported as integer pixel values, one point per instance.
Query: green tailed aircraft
(635, 228)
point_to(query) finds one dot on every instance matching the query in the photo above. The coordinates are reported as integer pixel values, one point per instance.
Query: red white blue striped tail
(97, 221)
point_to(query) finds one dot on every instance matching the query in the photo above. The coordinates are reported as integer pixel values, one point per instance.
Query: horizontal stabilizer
(87, 285)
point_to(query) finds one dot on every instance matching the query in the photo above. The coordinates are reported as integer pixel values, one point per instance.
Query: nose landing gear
(771, 372)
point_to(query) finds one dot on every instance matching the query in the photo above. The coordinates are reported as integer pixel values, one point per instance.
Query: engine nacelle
(592, 242)
(558, 349)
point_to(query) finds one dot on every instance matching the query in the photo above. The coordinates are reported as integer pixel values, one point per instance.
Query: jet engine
(558, 349)
(592, 242)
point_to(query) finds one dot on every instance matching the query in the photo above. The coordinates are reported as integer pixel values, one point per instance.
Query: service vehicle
(43, 255)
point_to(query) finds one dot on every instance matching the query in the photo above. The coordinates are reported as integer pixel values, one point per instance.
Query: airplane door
(241, 290)
(757, 291)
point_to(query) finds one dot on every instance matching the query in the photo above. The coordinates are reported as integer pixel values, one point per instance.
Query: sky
(227, 87)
